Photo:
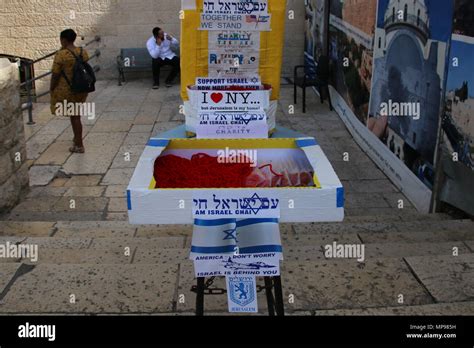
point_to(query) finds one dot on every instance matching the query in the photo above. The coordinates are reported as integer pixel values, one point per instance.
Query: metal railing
(28, 84)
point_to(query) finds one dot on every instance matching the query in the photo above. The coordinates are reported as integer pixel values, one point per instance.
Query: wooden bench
(134, 59)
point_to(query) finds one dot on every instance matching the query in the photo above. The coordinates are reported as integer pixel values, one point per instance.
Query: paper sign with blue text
(243, 203)
(242, 294)
(233, 101)
(217, 125)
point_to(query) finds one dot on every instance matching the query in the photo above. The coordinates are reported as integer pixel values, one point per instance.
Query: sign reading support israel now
(236, 204)
(232, 125)
(221, 82)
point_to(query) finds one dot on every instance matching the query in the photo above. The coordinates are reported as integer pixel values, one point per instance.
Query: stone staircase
(111, 267)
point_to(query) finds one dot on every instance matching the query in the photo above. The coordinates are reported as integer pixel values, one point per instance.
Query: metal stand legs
(272, 287)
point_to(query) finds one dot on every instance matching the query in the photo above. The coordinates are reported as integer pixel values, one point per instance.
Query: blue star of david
(231, 234)
(255, 197)
(246, 120)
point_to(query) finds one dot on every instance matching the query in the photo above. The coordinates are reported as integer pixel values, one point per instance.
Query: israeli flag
(235, 236)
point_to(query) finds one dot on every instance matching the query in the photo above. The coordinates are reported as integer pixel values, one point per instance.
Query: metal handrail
(29, 82)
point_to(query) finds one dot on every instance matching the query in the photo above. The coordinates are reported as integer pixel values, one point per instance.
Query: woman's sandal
(77, 149)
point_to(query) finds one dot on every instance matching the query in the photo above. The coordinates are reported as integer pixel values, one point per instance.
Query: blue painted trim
(306, 142)
(218, 222)
(261, 249)
(213, 250)
(248, 222)
(340, 197)
(129, 200)
(158, 142)
(232, 248)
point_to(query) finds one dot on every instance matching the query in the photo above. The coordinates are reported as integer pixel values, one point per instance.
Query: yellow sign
(196, 53)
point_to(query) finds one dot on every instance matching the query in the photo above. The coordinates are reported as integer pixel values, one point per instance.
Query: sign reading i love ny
(233, 101)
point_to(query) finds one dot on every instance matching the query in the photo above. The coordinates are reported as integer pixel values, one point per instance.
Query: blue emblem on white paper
(242, 294)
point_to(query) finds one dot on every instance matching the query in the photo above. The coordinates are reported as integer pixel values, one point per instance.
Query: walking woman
(61, 93)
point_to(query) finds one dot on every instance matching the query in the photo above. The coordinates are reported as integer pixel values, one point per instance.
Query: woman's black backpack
(83, 76)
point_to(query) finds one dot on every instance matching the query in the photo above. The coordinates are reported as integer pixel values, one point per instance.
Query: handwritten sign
(238, 204)
(257, 7)
(232, 125)
(233, 101)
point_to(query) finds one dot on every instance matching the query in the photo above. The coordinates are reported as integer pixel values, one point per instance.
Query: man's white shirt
(164, 50)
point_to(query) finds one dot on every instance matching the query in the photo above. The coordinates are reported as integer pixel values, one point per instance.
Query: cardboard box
(322, 202)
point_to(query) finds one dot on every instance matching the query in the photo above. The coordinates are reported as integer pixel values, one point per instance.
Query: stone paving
(110, 267)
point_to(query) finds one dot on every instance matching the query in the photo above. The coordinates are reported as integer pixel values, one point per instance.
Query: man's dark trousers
(158, 63)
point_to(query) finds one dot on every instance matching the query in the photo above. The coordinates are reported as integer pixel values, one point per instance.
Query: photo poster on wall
(457, 121)
(389, 61)
(315, 33)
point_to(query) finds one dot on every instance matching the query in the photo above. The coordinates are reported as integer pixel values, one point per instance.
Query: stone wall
(30, 29)
(13, 167)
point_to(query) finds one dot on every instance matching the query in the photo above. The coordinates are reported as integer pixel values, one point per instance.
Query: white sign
(242, 63)
(234, 53)
(259, 264)
(259, 7)
(232, 125)
(242, 294)
(237, 204)
(252, 22)
(233, 101)
(234, 39)
(245, 81)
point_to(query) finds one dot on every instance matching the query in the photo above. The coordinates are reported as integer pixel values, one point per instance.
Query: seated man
(159, 46)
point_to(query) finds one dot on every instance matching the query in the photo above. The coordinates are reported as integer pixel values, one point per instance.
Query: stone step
(155, 288)
(376, 228)
(447, 278)
(169, 250)
(396, 217)
(437, 309)
(99, 228)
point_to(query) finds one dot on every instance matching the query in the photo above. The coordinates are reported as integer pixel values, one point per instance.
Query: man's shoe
(156, 86)
(169, 84)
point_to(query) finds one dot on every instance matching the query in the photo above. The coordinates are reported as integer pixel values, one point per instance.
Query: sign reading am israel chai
(240, 204)
(235, 15)
(246, 125)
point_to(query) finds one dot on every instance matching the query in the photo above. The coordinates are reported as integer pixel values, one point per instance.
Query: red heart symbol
(216, 97)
